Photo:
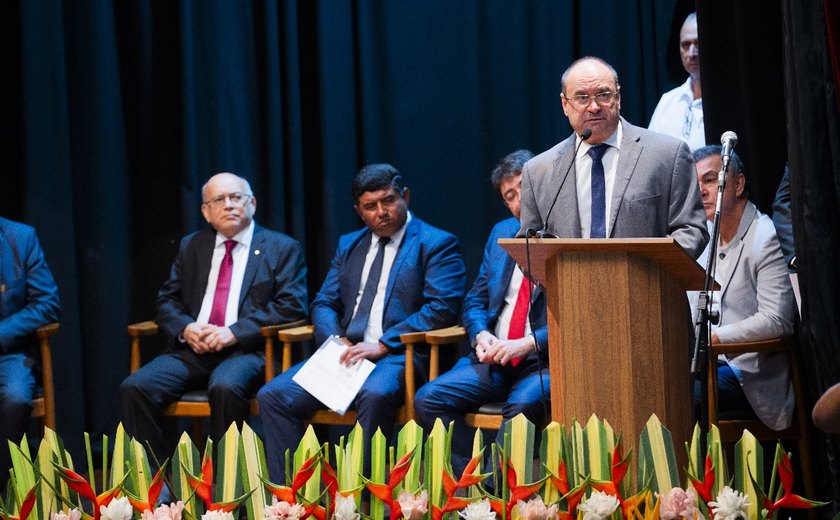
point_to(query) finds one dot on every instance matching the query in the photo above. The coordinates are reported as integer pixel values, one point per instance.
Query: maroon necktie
(520, 315)
(217, 312)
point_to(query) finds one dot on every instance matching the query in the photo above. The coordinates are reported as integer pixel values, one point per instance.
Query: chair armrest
(446, 336)
(289, 337)
(767, 345)
(47, 331)
(269, 333)
(144, 328)
(136, 331)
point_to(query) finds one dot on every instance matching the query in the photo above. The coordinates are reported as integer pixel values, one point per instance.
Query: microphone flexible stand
(705, 317)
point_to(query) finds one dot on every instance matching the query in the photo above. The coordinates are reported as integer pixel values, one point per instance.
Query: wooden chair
(296, 336)
(488, 416)
(43, 405)
(731, 430)
(196, 404)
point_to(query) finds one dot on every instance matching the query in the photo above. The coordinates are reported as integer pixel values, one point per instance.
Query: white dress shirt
(677, 112)
(583, 169)
(240, 259)
(373, 331)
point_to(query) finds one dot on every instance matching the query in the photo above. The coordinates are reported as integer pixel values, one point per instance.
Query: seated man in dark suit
(505, 365)
(28, 300)
(396, 275)
(226, 283)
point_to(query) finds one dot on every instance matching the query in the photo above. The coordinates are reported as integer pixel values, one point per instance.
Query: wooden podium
(618, 325)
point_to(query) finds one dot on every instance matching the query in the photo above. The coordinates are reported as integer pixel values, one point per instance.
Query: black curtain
(767, 75)
(118, 111)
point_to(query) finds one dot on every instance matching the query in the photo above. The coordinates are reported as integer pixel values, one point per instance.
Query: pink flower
(73, 514)
(535, 509)
(678, 503)
(283, 510)
(172, 511)
(413, 507)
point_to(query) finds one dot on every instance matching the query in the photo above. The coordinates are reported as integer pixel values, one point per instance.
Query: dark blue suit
(28, 300)
(425, 289)
(470, 383)
(273, 292)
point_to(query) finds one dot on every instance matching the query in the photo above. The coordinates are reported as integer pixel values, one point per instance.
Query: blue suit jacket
(273, 288)
(28, 294)
(486, 299)
(425, 286)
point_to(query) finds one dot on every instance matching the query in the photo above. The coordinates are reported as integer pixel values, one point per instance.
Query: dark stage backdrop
(115, 112)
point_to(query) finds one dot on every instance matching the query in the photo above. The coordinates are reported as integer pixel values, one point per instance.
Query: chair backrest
(731, 430)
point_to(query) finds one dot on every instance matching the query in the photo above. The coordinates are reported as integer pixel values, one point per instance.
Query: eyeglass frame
(584, 100)
(218, 201)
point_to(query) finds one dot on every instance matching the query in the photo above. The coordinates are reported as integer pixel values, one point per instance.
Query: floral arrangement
(580, 473)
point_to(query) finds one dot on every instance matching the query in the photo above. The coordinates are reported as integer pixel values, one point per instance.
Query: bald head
(228, 203)
(591, 98)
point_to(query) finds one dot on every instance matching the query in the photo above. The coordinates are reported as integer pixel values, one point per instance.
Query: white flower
(165, 512)
(730, 505)
(217, 515)
(118, 509)
(281, 510)
(478, 511)
(535, 509)
(598, 506)
(345, 508)
(73, 514)
(413, 507)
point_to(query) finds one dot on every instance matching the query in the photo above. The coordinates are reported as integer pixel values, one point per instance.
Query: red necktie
(520, 315)
(217, 312)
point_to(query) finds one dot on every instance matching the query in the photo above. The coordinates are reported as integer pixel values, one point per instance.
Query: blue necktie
(598, 227)
(356, 329)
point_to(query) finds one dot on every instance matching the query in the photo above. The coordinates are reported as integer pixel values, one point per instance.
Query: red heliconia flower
(385, 493)
(450, 486)
(620, 465)
(203, 487)
(304, 473)
(704, 488)
(517, 493)
(571, 496)
(153, 493)
(25, 506)
(788, 499)
(81, 486)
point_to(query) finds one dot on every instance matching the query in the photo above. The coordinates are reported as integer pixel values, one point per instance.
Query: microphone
(728, 141)
(543, 233)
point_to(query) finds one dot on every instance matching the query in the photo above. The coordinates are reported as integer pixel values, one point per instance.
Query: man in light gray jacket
(755, 299)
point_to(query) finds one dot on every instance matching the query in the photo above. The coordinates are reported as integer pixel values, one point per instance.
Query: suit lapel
(628, 158)
(567, 202)
(409, 241)
(205, 242)
(747, 221)
(355, 264)
(251, 263)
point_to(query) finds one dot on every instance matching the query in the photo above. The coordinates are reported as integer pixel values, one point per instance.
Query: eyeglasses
(236, 199)
(583, 100)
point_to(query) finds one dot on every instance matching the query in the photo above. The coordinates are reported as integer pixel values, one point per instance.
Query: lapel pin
(256, 251)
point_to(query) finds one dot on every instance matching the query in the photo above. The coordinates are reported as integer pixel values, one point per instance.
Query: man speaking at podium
(623, 182)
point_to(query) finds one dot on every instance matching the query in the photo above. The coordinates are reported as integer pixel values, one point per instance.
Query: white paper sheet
(329, 381)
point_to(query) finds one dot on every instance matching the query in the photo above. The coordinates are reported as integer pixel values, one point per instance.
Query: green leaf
(749, 461)
(521, 452)
(657, 461)
(252, 466)
(186, 456)
(552, 451)
(308, 447)
(378, 458)
(410, 438)
(435, 462)
(227, 483)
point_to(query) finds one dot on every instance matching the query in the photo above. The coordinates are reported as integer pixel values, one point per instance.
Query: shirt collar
(244, 237)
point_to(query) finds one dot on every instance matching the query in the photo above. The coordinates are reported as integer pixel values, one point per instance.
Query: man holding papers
(396, 275)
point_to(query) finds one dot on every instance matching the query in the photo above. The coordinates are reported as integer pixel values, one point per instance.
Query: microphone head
(587, 133)
(729, 136)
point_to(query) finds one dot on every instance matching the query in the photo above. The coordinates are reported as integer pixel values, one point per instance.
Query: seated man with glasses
(680, 111)
(226, 283)
(624, 182)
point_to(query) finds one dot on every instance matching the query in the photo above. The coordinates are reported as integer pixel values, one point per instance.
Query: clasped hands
(491, 350)
(206, 338)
